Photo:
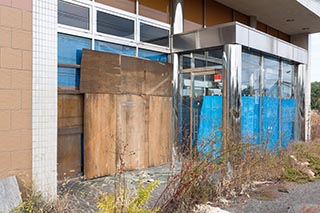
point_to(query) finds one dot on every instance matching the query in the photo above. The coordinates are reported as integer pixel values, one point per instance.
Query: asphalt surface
(278, 198)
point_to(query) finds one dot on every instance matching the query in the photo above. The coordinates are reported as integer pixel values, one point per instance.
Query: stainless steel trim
(301, 101)
(232, 64)
(237, 33)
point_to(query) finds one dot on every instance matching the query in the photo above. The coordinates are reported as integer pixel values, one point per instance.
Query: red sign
(217, 77)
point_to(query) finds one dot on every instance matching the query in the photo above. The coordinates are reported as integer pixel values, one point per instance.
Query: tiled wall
(15, 89)
(44, 97)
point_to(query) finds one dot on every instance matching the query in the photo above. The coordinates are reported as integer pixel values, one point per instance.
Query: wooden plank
(158, 79)
(114, 74)
(69, 156)
(100, 135)
(130, 131)
(132, 75)
(159, 130)
(100, 72)
(70, 111)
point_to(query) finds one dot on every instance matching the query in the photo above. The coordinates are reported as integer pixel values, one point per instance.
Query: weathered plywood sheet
(130, 130)
(100, 72)
(99, 135)
(158, 79)
(70, 111)
(69, 156)
(159, 130)
(70, 127)
(118, 74)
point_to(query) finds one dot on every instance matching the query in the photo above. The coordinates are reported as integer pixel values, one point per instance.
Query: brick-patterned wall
(15, 89)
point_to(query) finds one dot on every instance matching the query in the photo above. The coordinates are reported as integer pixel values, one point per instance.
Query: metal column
(232, 93)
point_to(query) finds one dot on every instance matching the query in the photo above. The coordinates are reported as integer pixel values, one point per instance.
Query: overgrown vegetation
(121, 201)
(206, 177)
(315, 96)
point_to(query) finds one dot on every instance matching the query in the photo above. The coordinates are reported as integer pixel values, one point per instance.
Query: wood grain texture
(69, 156)
(159, 130)
(99, 135)
(109, 73)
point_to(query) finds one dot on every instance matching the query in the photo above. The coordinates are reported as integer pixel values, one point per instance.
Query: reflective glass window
(287, 79)
(114, 48)
(152, 55)
(250, 74)
(70, 52)
(115, 25)
(270, 77)
(154, 35)
(73, 15)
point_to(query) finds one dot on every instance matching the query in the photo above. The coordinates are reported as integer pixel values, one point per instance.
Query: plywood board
(158, 79)
(100, 135)
(100, 72)
(132, 75)
(70, 111)
(159, 130)
(109, 73)
(130, 131)
(69, 156)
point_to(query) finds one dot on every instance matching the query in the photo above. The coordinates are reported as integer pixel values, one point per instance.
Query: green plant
(121, 202)
(36, 203)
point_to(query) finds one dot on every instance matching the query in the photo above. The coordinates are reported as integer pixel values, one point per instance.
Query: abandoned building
(88, 84)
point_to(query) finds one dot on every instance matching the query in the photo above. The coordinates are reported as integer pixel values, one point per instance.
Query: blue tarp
(210, 126)
(70, 52)
(288, 118)
(250, 119)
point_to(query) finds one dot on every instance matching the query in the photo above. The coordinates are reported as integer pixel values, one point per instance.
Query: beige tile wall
(15, 89)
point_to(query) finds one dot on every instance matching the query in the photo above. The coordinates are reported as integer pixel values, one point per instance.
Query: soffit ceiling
(288, 16)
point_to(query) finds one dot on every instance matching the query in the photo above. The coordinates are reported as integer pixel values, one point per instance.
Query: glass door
(201, 111)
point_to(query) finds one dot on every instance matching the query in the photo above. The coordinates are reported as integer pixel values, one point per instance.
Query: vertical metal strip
(280, 136)
(177, 27)
(301, 102)
(232, 65)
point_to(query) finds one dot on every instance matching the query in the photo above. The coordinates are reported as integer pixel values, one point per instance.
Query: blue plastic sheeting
(288, 118)
(250, 119)
(70, 52)
(210, 126)
(270, 122)
(114, 48)
(70, 48)
(155, 56)
(68, 77)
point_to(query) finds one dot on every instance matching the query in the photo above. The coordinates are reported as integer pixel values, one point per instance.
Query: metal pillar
(231, 93)
(301, 107)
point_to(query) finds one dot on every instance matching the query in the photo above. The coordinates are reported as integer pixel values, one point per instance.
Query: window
(73, 15)
(114, 48)
(152, 55)
(70, 52)
(115, 25)
(154, 35)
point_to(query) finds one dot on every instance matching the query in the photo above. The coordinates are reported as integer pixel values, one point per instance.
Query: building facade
(242, 65)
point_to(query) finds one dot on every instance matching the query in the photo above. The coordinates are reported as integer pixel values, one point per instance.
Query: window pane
(70, 52)
(271, 77)
(250, 74)
(158, 10)
(114, 48)
(287, 79)
(154, 35)
(73, 15)
(114, 25)
(155, 56)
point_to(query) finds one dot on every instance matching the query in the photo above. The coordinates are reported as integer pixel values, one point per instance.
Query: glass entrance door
(201, 111)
